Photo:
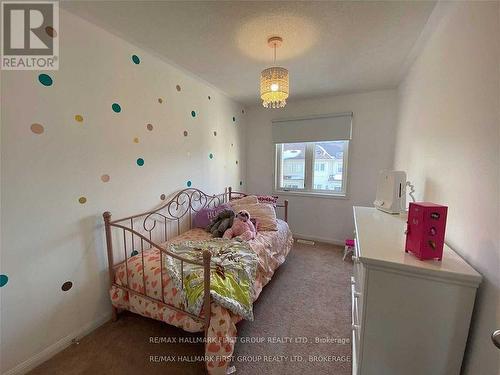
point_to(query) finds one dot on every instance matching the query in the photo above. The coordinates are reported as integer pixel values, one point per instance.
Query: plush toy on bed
(242, 227)
(221, 223)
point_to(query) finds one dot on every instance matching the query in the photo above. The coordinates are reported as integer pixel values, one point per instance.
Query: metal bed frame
(150, 230)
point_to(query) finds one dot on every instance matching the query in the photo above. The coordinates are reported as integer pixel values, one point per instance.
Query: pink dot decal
(37, 128)
(105, 178)
(149, 127)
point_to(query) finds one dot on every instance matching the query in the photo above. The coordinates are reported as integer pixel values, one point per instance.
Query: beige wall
(448, 142)
(371, 149)
(48, 237)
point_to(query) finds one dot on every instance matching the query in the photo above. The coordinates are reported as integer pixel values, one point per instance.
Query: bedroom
(145, 107)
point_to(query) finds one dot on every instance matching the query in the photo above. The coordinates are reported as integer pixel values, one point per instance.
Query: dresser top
(381, 242)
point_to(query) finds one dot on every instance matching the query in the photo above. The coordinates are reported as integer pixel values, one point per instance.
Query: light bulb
(274, 87)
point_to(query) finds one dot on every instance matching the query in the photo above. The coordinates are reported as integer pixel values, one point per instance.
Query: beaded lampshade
(274, 82)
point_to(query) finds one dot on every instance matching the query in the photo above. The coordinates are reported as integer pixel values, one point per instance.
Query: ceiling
(329, 47)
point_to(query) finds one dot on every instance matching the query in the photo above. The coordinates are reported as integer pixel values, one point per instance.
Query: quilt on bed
(271, 248)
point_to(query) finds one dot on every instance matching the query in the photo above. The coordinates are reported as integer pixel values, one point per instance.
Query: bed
(140, 255)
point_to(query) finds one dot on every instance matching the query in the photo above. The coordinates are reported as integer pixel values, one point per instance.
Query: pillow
(204, 216)
(263, 212)
(270, 199)
(249, 199)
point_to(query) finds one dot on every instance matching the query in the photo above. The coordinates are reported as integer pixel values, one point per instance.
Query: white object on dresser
(409, 316)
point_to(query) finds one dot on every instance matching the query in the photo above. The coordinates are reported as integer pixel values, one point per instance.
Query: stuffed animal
(242, 227)
(221, 222)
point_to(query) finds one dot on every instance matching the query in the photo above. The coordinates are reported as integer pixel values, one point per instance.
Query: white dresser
(409, 317)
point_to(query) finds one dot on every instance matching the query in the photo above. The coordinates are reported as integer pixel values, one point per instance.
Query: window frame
(309, 163)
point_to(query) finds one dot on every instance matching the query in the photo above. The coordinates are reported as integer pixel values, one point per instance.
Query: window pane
(329, 165)
(293, 165)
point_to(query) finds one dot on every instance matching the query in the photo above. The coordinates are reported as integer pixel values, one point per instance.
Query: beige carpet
(308, 298)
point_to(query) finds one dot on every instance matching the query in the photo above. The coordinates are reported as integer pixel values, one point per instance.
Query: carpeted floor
(307, 300)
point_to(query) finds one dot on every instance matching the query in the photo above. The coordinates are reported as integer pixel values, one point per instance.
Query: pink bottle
(425, 230)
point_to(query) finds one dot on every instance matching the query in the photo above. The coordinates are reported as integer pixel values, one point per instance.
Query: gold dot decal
(149, 127)
(236, 161)
(82, 200)
(136, 140)
(215, 134)
(178, 88)
(185, 133)
(37, 128)
(79, 118)
(105, 178)
(160, 100)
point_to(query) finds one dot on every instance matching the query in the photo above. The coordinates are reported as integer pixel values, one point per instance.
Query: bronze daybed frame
(177, 212)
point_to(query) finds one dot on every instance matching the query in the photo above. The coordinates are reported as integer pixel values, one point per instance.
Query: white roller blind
(333, 127)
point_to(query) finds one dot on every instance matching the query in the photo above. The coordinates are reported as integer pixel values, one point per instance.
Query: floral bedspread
(271, 248)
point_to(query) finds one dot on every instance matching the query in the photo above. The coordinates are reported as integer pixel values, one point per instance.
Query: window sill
(311, 194)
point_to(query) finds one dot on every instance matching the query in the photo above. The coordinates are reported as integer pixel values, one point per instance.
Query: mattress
(271, 247)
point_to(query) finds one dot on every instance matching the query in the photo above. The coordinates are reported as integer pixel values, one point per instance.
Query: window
(311, 153)
(312, 167)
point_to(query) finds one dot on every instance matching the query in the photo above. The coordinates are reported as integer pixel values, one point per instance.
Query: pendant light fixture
(274, 88)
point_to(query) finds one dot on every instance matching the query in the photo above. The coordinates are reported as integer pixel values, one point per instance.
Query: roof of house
(324, 150)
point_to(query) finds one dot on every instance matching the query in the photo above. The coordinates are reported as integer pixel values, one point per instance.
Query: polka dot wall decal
(51, 31)
(189, 183)
(140, 162)
(215, 134)
(160, 100)
(136, 59)
(236, 162)
(178, 88)
(193, 113)
(209, 98)
(82, 200)
(242, 111)
(234, 119)
(66, 286)
(134, 253)
(163, 197)
(4, 279)
(79, 118)
(105, 178)
(149, 127)
(241, 183)
(136, 140)
(211, 156)
(45, 79)
(185, 133)
(37, 128)
(116, 107)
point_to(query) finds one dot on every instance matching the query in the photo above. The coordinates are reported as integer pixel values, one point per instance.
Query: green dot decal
(134, 253)
(45, 79)
(234, 119)
(241, 183)
(211, 156)
(140, 162)
(189, 183)
(4, 279)
(193, 113)
(116, 107)
(136, 59)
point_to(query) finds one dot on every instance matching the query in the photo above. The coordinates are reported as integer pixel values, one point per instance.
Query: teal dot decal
(211, 156)
(140, 162)
(4, 279)
(116, 107)
(134, 253)
(136, 59)
(189, 183)
(193, 113)
(45, 79)
(234, 119)
(241, 183)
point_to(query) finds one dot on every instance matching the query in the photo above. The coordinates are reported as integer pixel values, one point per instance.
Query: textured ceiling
(329, 47)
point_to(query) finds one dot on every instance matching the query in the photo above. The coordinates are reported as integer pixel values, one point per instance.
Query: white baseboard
(58, 346)
(319, 239)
